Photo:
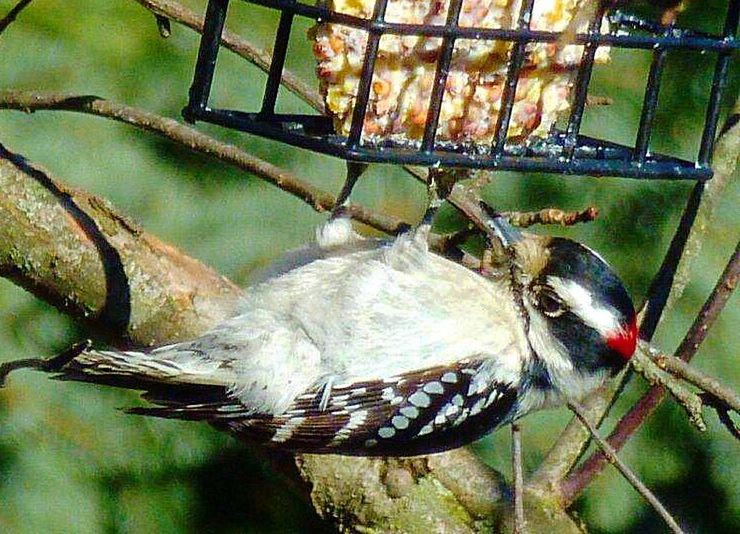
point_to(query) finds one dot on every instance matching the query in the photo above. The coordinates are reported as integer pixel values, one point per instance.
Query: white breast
(377, 314)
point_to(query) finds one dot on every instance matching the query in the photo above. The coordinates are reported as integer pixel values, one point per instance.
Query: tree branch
(518, 482)
(623, 468)
(98, 267)
(695, 377)
(655, 376)
(318, 199)
(8, 19)
(711, 309)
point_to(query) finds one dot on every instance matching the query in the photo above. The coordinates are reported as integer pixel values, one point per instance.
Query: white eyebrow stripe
(580, 302)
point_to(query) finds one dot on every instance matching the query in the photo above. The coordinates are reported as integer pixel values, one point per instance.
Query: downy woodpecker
(368, 347)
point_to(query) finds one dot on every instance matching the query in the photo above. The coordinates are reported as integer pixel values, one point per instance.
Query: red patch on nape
(624, 342)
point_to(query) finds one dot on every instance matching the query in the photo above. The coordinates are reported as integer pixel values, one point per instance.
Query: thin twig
(723, 412)
(551, 216)
(643, 363)
(628, 425)
(636, 483)
(259, 57)
(318, 199)
(8, 19)
(711, 309)
(571, 444)
(518, 472)
(195, 141)
(692, 375)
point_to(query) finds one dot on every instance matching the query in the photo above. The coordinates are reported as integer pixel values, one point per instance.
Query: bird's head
(575, 303)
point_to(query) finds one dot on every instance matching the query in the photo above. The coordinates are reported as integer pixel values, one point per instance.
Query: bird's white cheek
(565, 378)
(549, 349)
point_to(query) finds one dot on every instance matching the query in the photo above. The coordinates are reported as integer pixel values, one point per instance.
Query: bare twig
(570, 445)
(461, 196)
(516, 467)
(628, 425)
(711, 309)
(692, 375)
(240, 46)
(636, 483)
(551, 216)
(643, 364)
(8, 19)
(196, 141)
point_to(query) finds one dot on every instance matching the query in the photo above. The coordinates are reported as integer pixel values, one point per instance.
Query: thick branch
(76, 252)
(196, 141)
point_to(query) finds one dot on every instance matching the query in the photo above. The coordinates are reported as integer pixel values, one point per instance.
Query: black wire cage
(563, 150)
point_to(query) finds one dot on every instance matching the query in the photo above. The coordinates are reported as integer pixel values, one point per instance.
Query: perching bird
(372, 347)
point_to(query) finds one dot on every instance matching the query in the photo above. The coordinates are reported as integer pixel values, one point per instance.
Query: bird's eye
(550, 303)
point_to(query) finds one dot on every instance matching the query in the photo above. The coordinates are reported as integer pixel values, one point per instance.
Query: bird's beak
(505, 231)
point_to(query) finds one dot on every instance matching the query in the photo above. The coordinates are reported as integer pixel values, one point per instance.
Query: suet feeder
(559, 150)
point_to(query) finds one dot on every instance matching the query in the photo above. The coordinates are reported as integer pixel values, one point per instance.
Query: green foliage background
(70, 462)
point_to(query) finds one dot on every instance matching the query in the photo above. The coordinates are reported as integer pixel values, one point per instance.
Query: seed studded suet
(404, 72)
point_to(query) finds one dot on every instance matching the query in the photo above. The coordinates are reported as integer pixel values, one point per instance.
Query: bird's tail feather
(128, 369)
(182, 390)
(152, 371)
(177, 364)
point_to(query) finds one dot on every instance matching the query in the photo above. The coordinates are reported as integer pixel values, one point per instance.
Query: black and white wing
(418, 412)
